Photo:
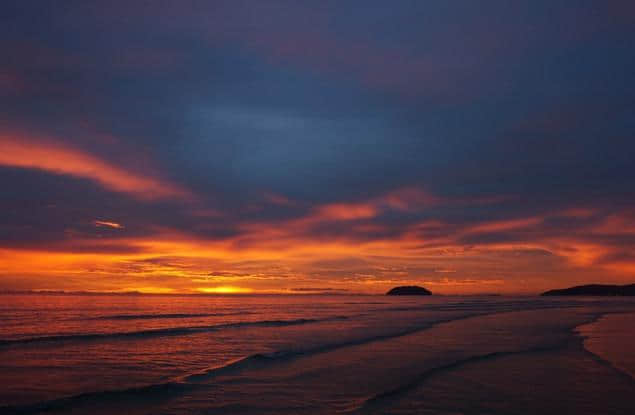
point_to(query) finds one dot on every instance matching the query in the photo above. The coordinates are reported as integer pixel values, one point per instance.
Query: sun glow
(225, 289)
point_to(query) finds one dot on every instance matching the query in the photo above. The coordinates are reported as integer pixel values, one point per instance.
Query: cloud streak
(54, 157)
(113, 225)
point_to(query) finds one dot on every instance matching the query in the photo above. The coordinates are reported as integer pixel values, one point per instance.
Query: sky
(316, 146)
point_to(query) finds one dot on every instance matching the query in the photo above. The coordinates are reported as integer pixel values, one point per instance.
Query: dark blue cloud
(325, 102)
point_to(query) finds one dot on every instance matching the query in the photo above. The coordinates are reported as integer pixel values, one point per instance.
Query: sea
(316, 354)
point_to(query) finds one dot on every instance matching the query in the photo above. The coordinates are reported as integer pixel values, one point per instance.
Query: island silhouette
(409, 290)
(595, 290)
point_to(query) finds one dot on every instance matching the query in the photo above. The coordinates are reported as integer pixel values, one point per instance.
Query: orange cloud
(54, 157)
(107, 224)
(497, 226)
(283, 255)
(410, 198)
(345, 211)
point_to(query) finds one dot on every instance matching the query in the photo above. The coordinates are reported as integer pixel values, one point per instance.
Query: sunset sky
(322, 146)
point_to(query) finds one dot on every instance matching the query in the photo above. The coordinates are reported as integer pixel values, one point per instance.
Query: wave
(472, 305)
(193, 380)
(611, 365)
(385, 397)
(167, 316)
(152, 393)
(389, 395)
(595, 356)
(259, 359)
(251, 361)
(363, 302)
(171, 331)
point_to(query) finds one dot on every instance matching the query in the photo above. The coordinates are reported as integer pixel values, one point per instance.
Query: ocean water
(271, 354)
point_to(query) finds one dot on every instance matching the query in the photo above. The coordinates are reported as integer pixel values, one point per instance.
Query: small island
(595, 290)
(409, 290)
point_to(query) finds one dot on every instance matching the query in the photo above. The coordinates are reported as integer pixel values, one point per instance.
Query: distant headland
(595, 290)
(409, 290)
